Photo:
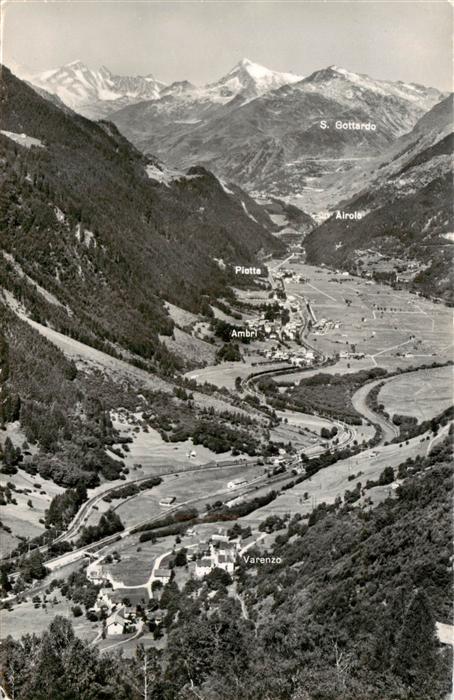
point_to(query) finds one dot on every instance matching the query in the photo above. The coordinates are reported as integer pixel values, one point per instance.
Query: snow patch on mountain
(344, 86)
(225, 187)
(22, 139)
(249, 80)
(247, 213)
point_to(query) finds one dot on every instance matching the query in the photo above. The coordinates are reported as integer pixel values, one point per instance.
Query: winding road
(359, 401)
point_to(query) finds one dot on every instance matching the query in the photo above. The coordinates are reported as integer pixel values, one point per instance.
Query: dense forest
(347, 613)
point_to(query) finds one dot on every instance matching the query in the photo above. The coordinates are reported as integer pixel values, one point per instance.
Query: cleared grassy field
(422, 394)
(137, 559)
(24, 520)
(26, 619)
(226, 373)
(192, 349)
(149, 449)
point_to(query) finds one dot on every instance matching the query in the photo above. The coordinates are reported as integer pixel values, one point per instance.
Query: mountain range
(268, 131)
(276, 142)
(99, 93)
(278, 136)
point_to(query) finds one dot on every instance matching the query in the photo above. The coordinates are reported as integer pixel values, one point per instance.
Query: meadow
(424, 394)
(327, 484)
(184, 487)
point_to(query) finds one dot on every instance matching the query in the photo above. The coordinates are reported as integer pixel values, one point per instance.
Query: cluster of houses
(275, 330)
(286, 273)
(218, 551)
(118, 618)
(300, 358)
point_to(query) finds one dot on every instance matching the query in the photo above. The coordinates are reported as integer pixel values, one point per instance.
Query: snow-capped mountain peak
(347, 88)
(243, 83)
(250, 80)
(95, 93)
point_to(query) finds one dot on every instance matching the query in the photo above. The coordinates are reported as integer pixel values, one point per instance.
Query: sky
(201, 41)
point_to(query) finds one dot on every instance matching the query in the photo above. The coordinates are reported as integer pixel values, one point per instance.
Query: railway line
(81, 552)
(87, 507)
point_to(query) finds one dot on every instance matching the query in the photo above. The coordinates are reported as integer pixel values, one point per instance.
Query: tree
(32, 567)
(144, 671)
(218, 579)
(415, 653)
(4, 580)
(11, 457)
(180, 557)
(386, 477)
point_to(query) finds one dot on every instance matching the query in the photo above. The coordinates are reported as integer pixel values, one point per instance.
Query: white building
(225, 562)
(236, 483)
(203, 567)
(114, 628)
(167, 501)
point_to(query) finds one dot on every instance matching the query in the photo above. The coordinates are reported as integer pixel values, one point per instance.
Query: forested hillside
(85, 216)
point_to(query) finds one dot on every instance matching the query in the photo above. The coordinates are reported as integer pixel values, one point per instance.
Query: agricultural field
(422, 394)
(136, 561)
(393, 328)
(27, 619)
(224, 374)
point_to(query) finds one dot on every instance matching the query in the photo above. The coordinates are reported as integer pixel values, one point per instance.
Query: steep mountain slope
(406, 202)
(281, 140)
(95, 93)
(106, 237)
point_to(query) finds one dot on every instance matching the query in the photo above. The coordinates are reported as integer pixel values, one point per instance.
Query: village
(218, 555)
(284, 322)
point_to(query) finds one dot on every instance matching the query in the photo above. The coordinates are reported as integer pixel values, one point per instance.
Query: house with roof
(203, 567)
(103, 601)
(224, 562)
(114, 628)
(222, 537)
(163, 575)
